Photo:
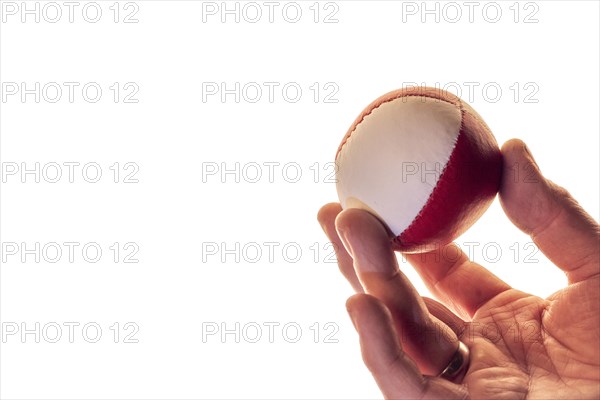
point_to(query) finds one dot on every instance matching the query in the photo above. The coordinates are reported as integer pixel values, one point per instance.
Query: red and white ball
(422, 161)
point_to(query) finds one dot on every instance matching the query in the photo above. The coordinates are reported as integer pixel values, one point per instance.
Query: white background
(177, 290)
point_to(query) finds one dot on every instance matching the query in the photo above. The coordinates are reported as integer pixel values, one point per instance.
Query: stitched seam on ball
(433, 192)
(392, 99)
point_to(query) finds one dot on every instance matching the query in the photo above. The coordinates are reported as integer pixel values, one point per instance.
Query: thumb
(557, 224)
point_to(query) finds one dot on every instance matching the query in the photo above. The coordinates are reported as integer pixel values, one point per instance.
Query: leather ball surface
(422, 161)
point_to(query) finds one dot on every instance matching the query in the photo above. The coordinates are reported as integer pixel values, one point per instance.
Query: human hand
(539, 348)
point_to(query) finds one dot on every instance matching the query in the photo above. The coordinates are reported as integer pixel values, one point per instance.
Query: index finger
(462, 285)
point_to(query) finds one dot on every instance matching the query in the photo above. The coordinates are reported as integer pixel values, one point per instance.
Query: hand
(521, 346)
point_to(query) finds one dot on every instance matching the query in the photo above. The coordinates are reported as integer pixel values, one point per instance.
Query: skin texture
(522, 346)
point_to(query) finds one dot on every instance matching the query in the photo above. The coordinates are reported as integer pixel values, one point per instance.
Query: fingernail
(351, 314)
(530, 155)
(345, 241)
(324, 229)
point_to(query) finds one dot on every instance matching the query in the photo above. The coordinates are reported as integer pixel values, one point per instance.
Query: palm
(527, 347)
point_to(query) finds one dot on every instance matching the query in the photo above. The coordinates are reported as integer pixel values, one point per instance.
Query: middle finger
(428, 341)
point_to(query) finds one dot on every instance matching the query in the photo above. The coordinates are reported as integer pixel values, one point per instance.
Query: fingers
(462, 285)
(326, 217)
(446, 316)
(425, 339)
(562, 230)
(395, 373)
